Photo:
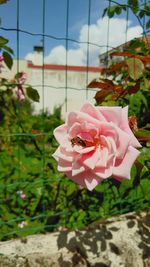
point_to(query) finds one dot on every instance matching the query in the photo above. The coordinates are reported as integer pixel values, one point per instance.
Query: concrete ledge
(121, 241)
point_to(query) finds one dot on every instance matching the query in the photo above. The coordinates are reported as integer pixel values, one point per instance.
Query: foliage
(17, 88)
(3, 1)
(141, 9)
(126, 80)
(7, 52)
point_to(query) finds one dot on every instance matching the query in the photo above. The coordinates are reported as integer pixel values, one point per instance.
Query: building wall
(56, 86)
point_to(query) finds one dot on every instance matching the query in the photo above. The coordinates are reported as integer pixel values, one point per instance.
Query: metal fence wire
(34, 197)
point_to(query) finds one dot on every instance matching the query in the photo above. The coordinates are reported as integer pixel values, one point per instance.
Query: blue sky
(30, 19)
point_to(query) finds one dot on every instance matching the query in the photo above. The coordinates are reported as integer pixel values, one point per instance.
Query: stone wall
(121, 241)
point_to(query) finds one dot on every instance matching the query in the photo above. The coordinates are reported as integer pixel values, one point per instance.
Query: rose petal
(122, 143)
(90, 160)
(81, 117)
(91, 129)
(74, 130)
(109, 130)
(77, 168)
(111, 145)
(60, 133)
(79, 179)
(86, 136)
(102, 162)
(82, 150)
(111, 114)
(124, 168)
(63, 154)
(91, 183)
(103, 172)
(64, 165)
(92, 111)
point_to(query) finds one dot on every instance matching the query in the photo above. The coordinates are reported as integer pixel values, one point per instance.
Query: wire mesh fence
(34, 197)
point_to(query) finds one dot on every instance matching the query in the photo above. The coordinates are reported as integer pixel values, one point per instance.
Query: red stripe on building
(63, 67)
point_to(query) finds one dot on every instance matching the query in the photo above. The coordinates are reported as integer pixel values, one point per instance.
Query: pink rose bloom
(96, 143)
(19, 93)
(1, 58)
(22, 78)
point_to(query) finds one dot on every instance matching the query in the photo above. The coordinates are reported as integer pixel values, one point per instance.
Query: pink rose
(20, 78)
(96, 143)
(1, 58)
(1, 65)
(19, 93)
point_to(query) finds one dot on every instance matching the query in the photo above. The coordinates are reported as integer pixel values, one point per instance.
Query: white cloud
(98, 34)
(58, 56)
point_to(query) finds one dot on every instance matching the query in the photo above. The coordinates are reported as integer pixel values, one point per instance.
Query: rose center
(86, 143)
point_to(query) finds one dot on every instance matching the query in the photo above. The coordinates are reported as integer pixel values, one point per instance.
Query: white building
(58, 85)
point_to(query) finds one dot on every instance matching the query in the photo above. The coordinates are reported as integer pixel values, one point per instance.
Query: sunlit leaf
(100, 96)
(135, 68)
(111, 11)
(142, 133)
(147, 83)
(118, 89)
(104, 84)
(122, 54)
(144, 59)
(71, 189)
(145, 184)
(114, 67)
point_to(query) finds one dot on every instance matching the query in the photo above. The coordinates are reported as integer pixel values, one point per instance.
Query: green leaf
(146, 83)
(8, 59)
(148, 24)
(118, 10)
(3, 2)
(142, 133)
(134, 5)
(104, 12)
(111, 11)
(8, 49)
(141, 14)
(135, 68)
(125, 186)
(145, 184)
(3, 41)
(32, 94)
(114, 9)
(71, 189)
